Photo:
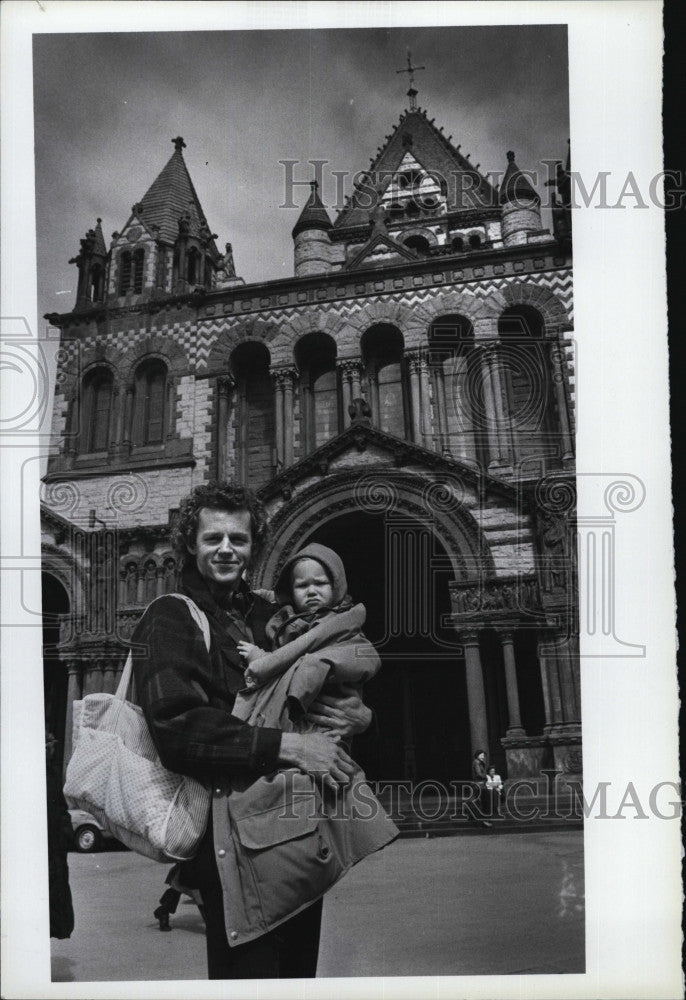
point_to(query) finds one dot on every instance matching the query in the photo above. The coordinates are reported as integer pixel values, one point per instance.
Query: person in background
(494, 790)
(60, 839)
(170, 899)
(479, 778)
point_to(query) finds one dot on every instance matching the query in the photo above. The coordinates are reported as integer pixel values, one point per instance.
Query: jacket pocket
(286, 849)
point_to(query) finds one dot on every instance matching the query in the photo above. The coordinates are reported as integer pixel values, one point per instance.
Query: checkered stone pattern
(119, 340)
(58, 428)
(201, 432)
(346, 319)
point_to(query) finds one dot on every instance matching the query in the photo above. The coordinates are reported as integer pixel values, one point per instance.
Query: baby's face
(311, 586)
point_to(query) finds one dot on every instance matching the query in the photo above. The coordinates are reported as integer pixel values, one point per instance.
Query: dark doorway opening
(55, 604)
(400, 572)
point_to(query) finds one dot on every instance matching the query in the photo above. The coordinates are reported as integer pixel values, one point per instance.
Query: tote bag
(115, 774)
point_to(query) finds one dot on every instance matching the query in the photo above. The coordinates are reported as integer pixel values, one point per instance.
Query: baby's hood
(328, 558)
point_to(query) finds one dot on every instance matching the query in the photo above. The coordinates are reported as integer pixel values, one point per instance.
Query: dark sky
(107, 106)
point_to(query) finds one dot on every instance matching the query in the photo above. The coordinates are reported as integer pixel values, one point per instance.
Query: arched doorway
(55, 604)
(400, 571)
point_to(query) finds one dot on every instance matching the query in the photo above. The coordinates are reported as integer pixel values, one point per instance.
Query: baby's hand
(249, 651)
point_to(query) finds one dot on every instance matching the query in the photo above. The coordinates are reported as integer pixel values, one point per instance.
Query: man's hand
(344, 714)
(318, 754)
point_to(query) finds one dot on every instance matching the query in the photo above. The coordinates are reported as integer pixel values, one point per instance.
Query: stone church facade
(407, 398)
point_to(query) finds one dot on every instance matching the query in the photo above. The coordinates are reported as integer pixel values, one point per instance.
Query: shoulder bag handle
(200, 619)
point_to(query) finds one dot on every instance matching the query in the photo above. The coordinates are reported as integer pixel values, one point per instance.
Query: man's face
(311, 586)
(223, 546)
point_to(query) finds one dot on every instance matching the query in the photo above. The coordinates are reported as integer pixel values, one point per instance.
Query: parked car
(88, 833)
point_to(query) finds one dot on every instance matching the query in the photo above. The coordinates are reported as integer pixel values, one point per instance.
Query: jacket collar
(195, 586)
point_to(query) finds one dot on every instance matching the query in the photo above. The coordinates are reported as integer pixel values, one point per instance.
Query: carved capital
(505, 632)
(469, 637)
(284, 376)
(349, 367)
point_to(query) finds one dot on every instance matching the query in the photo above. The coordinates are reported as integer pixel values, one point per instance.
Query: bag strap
(200, 619)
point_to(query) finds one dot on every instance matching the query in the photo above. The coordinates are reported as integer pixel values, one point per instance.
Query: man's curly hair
(218, 496)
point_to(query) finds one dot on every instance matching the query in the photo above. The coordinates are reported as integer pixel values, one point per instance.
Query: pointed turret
(313, 215)
(99, 248)
(312, 249)
(166, 245)
(521, 205)
(91, 261)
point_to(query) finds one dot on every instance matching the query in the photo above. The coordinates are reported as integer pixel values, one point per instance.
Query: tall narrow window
(526, 384)
(315, 356)
(193, 266)
(138, 263)
(96, 283)
(255, 427)
(124, 272)
(151, 392)
(458, 401)
(97, 407)
(325, 400)
(382, 349)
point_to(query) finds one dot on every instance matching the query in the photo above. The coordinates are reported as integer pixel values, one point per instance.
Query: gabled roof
(379, 241)
(313, 215)
(360, 436)
(436, 154)
(171, 196)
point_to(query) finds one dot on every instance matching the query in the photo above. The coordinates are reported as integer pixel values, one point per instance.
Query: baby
(317, 640)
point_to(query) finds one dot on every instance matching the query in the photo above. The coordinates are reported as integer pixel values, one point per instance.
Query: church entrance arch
(397, 568)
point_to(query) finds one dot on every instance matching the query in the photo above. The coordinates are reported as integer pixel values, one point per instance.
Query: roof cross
(412, 92)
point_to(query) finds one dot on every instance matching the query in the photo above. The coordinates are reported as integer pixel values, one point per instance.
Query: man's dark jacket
(187, 694)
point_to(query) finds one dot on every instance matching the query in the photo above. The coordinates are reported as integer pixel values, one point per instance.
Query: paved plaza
(477, 905)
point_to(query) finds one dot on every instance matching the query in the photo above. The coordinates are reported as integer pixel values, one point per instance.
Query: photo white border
(633, 897)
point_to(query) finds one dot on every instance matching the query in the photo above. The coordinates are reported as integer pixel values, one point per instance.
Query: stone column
(171, 407)
(356, 368)
(73, 694)
(346, 375)
(436, 373)
(159, 581)
(496, 385)
(140, 586)
(242, 434)
(128, 418)
(413, 360)
(489, 415)
(108, 677)
(558, 655)
(476, 694)
(116, 424)
(427, 428)
(515, 721)
(556, 358)
(278, 418)
(72, 426)
(224, 388)
(289, 377)
(373, 380)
